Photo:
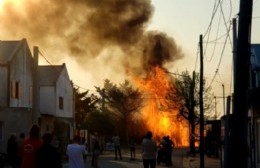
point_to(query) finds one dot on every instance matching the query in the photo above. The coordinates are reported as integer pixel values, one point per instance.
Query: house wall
(47, 124)
(64, 89)
(21, 71)
(14, 120)
(3, 85)
(47, 100)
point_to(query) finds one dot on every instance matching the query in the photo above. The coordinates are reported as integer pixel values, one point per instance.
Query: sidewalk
(194, 162)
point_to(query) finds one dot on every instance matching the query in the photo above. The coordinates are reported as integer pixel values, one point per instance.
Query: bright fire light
(158, 113)
(9, 2)
(1, 4)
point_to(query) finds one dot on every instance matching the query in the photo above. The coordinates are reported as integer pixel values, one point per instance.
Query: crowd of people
(33, 151)
(36, 151)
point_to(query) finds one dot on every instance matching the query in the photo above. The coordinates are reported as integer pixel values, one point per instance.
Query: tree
(187, 94)
(84, 104)
(122, 101)
(99, 122)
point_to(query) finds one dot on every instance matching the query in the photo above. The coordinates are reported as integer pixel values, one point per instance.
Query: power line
(221, 56)
(59, 72)
(214, 48)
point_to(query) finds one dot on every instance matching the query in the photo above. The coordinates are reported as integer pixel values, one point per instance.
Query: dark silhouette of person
(149, 151)
(48, 155)
(12, 151)
(116, 141)
(168, 149)
(132, 147)
(95, 150)
(20, 141)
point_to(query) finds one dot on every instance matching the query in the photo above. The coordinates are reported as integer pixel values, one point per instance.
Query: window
(61, 103)
(15, 89)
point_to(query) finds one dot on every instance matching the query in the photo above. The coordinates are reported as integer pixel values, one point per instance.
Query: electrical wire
(215, 43)
(221, 56)
(208, 31)
(78, 86)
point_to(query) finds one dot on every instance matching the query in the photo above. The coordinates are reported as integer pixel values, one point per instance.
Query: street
(179, 159)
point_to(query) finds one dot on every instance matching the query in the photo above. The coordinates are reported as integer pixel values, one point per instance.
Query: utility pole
(215, 107)
(224, 104)
(226, 136)
(192, 115)
(239, 126)
(201, 106)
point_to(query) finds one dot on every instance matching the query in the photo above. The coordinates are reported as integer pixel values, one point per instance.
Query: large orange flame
(159, 112)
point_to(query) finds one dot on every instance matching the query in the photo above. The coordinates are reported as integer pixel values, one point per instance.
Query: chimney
(35, 105)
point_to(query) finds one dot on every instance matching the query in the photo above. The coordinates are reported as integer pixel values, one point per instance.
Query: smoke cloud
(90, 29)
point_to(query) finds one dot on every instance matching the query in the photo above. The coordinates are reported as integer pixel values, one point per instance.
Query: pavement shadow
(107, 160)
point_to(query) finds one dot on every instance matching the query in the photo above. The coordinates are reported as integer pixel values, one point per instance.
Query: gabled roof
(255, 56)
(49, 74)
(8, 49)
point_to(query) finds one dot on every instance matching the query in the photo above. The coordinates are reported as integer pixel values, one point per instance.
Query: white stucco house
(30, 93)
(16, 82)
(56, 100)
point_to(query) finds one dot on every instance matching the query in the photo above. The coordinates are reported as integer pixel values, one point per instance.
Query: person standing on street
(20, 141)
(12, 151)
(30, 147)
(168, 149)
(116, 141)
(76, 152)
(48, 155)
(149, 151)
(95, 150)
(132, 147)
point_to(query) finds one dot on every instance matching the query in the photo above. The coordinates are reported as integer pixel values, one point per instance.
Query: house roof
(49, 74)
(8, 49)
(255, 56)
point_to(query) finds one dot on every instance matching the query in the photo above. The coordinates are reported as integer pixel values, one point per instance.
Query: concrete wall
(15, 120)
(3, 86)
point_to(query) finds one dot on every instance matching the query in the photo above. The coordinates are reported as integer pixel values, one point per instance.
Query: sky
(185, 20)
(96, 44)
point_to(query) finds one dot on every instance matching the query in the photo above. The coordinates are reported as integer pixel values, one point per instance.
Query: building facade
(30, 94)
(254, 103)
(16, 82)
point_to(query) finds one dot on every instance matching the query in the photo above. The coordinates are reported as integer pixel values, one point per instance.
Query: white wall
(47, 100)
(65, 90)
(21, 71)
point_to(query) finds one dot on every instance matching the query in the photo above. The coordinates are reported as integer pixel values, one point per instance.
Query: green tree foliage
(100, 122)
(85, 103)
